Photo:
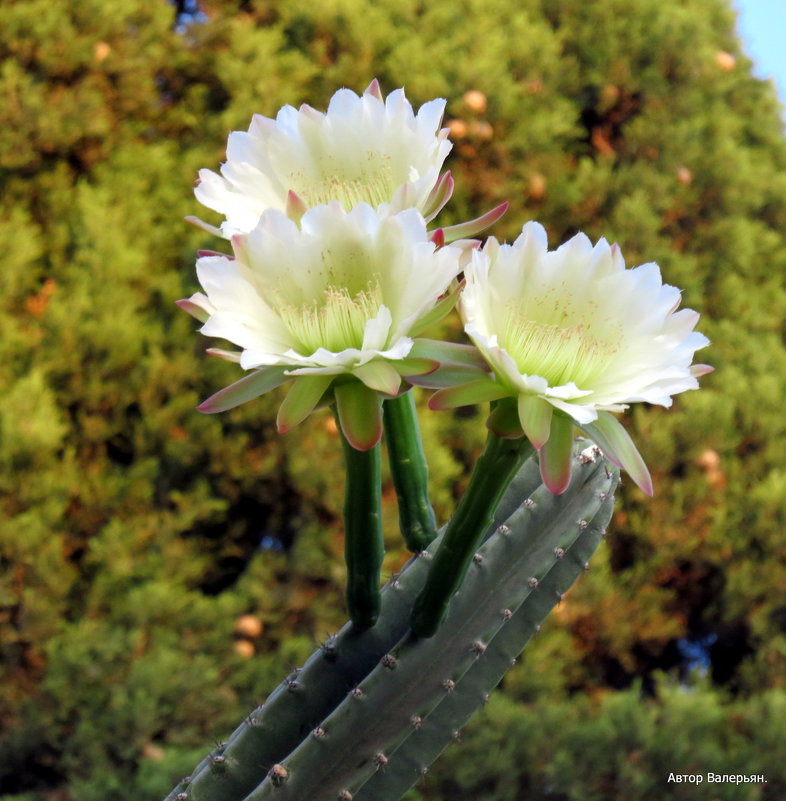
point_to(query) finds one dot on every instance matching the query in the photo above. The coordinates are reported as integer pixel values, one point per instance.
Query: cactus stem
(494, 470)
(364, 547)
(409, 471)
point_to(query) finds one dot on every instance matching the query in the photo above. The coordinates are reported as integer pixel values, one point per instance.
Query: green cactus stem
(415, 676)
(408, 764)
(364, 547)
(409, 471)
(307, 696)
(494, 470)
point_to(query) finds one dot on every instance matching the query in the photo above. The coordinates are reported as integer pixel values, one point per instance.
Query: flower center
(336, 321)
(558, 353)
(373, 185)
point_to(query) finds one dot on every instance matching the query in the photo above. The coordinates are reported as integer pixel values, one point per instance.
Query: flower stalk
(498, 463)
(364, 547)
(409, 471)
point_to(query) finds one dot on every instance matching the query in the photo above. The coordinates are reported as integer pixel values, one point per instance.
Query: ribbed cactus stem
(411, 681)
(494, 470)
(426, 741)
(364, 547)
(409, 471)
(307, 696)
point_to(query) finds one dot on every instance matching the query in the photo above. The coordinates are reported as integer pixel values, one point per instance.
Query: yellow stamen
(335, 321)
(559, 353)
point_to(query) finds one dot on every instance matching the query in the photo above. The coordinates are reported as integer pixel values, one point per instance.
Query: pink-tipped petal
(247, 388)
(448, 353)
(211, 229)
(698, 370)
(374, 89)
(440, 195)
(302, 398)
(415, 367)
(194, 309)
(296, 206)
(203, 253)
(556, 455)
(226, 355)
(535, 415)
(359, 414)
(438, 237)
(472, 227)
(615, 442)
(380, 376)
(467, 394)
(446, 375)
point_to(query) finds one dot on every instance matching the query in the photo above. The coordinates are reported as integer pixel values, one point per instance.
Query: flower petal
(478, 391)
(302, 398)
(359, 414)
(472, 227)
(379, 375)
(612, 438)
(556, 453)
(448, 353)
(535, 416)
(246, 389)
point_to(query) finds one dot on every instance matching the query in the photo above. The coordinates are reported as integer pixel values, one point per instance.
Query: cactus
(329, 727)
(409, 471)
(308, 695)
(408, 764)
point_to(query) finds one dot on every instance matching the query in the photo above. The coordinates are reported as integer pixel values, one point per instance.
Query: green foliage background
(130, 525)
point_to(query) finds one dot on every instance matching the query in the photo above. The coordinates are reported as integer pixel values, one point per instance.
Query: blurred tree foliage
(135, 532)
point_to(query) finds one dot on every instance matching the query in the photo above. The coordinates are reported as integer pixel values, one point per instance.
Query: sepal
(247, 388)
(359, 414)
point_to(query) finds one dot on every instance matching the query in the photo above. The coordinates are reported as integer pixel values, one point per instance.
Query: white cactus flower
(573, 336)
(363, 149)
(332, 302)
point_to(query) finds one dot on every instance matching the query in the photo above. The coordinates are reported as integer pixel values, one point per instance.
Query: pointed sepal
(556, 454)
(535, 416)
(247, 388)
(472, 227)
(359, 414)
(478, 391)
(304, 395)
(615, 442)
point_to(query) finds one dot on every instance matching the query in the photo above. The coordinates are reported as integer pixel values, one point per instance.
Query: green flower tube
(409, 471)
(494, 470)
(364, 546)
